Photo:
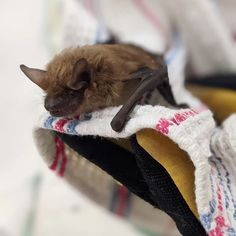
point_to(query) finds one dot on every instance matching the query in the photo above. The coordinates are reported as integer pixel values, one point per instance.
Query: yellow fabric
(222, 102)
(174, 160)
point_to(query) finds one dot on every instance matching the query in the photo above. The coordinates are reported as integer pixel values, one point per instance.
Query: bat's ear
(81, 75)
(35, 75)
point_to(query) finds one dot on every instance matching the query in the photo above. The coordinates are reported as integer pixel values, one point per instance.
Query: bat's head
(74, 85)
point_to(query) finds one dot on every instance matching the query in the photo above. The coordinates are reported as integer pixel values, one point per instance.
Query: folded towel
(211, 150)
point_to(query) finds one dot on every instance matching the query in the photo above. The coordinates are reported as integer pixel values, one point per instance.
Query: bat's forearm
(152, 79)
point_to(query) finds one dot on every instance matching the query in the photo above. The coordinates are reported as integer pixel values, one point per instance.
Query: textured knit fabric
(220, 220)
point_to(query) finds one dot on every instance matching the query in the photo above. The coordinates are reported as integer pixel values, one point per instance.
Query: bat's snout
(60, 106)
(52, 104)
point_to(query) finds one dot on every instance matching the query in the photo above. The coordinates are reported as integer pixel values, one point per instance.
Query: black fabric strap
(165, 194)
(215, 81)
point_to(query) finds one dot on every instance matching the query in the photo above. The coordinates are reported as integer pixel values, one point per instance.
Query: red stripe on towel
(123, 197)
(53, 166)
(59, 126)
(59, 156)
(63, 166)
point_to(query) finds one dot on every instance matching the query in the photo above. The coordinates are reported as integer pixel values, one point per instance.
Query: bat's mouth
(57, 113)
(62, 106)
(64, 111)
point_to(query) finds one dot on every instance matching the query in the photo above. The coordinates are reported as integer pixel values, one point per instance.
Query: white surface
(60, 210)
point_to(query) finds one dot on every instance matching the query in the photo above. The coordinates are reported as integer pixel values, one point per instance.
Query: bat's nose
(51, 104)
(48, 104)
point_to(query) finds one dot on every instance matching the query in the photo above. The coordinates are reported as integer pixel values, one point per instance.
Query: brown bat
(89, 78)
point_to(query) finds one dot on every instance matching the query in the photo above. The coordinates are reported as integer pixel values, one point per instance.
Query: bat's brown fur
(110, 64)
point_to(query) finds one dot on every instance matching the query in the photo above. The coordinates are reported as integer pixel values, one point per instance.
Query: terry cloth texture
(194, 132)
